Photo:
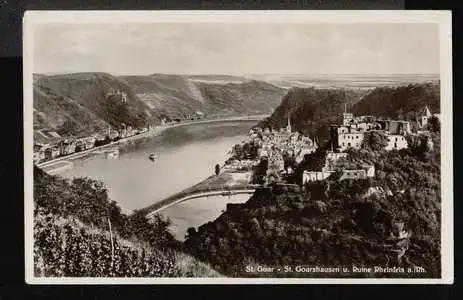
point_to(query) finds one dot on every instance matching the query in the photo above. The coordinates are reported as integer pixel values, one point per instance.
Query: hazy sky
(238, 49)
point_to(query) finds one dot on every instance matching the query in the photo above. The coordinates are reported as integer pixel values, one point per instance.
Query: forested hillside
(313, 110)
(405, 102)
(391, 220)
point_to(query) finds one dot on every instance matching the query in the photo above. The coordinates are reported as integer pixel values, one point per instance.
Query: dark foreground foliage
(73, 237)
(390, 220)
(62, 249)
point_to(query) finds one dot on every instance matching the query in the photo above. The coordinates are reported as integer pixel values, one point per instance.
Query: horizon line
(238, 75)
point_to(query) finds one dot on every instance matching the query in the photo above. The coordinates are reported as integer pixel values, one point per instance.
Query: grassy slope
(176, 95)
(170, 94)
(254, 97)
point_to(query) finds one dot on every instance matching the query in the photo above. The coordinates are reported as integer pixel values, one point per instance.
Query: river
(186, 155)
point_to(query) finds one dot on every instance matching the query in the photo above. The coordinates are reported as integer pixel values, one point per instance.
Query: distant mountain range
(84, 103)
(364, 81)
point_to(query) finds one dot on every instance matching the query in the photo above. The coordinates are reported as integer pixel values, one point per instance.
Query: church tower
(425, 117)
(347, 117)
(288, 127)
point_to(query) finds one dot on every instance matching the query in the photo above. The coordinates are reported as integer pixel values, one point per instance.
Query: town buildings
(286, 149)
(276, 145)
(63, 146)
(351, 134)
(309, 176)
(332, 158)
(334, 162)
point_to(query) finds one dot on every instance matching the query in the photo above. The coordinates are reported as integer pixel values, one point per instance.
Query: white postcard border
(444, 18)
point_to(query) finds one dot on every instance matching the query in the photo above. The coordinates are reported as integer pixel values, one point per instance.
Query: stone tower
(288, 127)
(347, 117)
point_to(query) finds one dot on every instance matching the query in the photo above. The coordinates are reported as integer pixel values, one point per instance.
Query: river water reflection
(186, 155)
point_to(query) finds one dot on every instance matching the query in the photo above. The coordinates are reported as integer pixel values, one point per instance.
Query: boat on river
(153, 156)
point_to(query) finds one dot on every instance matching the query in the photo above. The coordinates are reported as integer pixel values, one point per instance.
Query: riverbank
(84, 153)
(156, 131)
(57, 167)
(227, 182)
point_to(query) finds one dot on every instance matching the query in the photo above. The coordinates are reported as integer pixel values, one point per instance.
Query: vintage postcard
(235, 147)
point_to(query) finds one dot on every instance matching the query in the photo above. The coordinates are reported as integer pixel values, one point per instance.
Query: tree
(375, 140)
(107, 139)
(237, 151)
(258, 177)
(217, 169)
(190, 233)
(434, 124)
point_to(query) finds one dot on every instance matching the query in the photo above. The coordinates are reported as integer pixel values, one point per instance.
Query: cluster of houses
(351, 133)
(239, 165)
(277, 144)
(335, 161)
(69, 145)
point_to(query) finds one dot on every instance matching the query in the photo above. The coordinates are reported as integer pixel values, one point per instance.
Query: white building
(366, 171)
(263, 152)
(347, 118)
(350, 140)
(332, 158)
(396, 142)
(370, 170)
(276, 161)
(309, 176)
(353, 174)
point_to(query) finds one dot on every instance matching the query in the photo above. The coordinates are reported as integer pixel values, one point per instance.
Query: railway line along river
(186, 155)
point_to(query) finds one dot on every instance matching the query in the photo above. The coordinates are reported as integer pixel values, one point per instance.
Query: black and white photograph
(224, 147)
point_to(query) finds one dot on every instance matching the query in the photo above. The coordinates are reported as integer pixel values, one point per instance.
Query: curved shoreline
(156, 131)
